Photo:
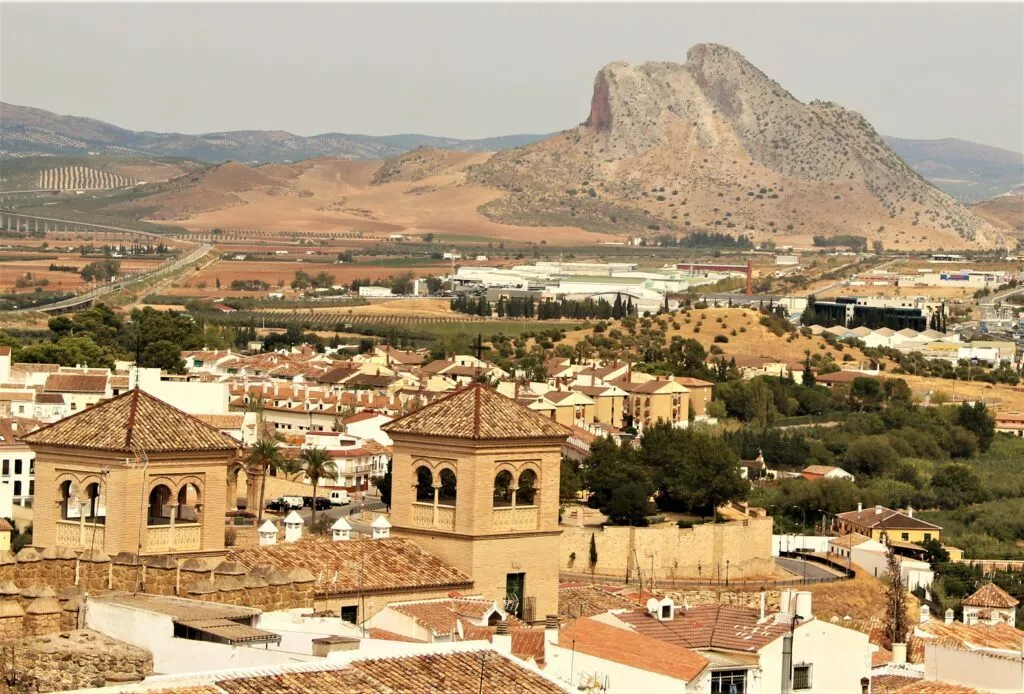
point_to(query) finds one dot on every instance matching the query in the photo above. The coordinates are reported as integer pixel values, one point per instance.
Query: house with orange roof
(990, 604)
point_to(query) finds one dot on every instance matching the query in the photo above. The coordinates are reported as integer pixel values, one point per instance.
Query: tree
(383, 485)
(164, 355)
(870, 455)
(593, 553)
(619, 484)
(977, 420)
(937, 554)
(317, 464)
(263, 454)
(569, 480)
(897, 622)
(956, 484)
(68, 351)
(808, 375)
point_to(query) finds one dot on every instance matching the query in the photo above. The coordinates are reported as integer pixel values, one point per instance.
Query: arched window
(188, 504)
(503, 488)
(96, 511)
(447, 493)
(159, 505)
(527, 492)
(424, 484)
(68, 505)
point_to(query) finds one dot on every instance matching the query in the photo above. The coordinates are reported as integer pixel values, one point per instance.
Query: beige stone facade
(709, 551)
(485, 540)
(94, 501)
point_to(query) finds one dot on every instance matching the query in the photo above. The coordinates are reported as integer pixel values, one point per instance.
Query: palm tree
(317, 465)
(264, 454)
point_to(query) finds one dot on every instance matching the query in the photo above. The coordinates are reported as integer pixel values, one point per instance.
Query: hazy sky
(914, 70)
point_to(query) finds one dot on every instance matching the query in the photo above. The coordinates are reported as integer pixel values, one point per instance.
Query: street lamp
(804, 512)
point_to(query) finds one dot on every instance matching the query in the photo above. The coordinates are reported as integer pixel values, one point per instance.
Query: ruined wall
(702, 551)
(72, 660)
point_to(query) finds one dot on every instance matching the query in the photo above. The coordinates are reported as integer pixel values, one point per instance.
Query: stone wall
(700, 552)
(72, 660)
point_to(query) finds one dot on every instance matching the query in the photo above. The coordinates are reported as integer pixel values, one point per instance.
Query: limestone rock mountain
(714, 143)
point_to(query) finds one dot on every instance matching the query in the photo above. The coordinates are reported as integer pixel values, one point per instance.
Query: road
(805, 568)
(338, 511)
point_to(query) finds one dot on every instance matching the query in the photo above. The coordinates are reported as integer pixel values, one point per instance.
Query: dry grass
(10, 271)
(861, 598)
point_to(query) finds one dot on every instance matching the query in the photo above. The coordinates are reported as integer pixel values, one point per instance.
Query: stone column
(437, 493)
(170, 532)
(81, 522)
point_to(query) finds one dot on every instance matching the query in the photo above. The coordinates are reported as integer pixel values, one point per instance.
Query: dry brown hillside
(715, 143)
(1006, 210)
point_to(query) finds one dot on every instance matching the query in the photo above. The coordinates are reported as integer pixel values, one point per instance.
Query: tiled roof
(728, 627)
(584, 600)
(631, 648)
(902, 684)
(442, 616)
(820, 469)
(13, 429)
(133, 419)
(392, 564)
(885, 519)
(385, 635)
(222, 421)
(76, 383)
(1001, 636)
(464, 671)
(477, 412)
(991, 595)
(49, 399)
(849, 540)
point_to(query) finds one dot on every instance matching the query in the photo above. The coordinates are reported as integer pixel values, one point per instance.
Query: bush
(721, 338)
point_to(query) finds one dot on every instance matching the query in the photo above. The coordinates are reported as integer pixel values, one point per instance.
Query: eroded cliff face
(717, 127)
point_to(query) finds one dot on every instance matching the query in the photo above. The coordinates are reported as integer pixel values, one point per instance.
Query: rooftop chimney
(878, 510)
(899, 654)
(293, 527)
(949, 616)
(329, 644)
(550, 635)
(926, 613)
(910, 511)
(970, 618)
(502, 640)
(860, 506)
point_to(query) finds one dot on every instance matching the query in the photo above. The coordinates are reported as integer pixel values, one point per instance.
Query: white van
(294, 502)
(339, 497)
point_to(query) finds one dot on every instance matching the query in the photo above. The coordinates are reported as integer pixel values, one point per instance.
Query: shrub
(721, 338)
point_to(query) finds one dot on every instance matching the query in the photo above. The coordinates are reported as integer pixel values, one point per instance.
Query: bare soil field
(335, 195)
(283, 273)
(893, 291)
(401, 307)
(10, 271)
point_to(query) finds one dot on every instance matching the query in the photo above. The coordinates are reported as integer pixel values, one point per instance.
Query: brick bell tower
(475, 482)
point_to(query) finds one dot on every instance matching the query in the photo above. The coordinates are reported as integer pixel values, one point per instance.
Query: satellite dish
(653, 605)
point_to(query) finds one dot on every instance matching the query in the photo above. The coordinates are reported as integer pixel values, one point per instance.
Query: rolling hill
(28, 131)
(966, 170)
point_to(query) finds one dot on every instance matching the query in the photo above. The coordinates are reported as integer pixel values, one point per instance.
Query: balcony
(181, 537)
(514, 518)
(80, 535)
(430, 516)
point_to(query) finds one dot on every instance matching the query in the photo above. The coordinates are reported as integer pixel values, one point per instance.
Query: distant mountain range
(26, 131)
(968, 171)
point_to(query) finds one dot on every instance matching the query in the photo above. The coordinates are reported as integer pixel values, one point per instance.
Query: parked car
(321, 503)
(285, 503)
(296, 502)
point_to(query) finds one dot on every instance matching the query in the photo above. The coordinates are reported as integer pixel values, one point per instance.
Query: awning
(226, 631)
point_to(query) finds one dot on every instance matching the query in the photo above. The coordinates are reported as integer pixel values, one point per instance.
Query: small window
(801, 677)
(906, 536)
(350, 614)
(17, 488)
(729, 682)
(31, 487)
(7, 467)
(927, 536)
(17, 466)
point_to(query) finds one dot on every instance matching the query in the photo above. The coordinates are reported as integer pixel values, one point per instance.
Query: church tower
(475, 482)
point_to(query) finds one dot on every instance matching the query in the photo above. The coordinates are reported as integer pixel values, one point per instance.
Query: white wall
(155, 632)
(189, 396)
(576, 669)
(982, 671)
(839, 657)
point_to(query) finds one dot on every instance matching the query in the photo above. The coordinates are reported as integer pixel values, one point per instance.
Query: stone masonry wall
(674, 553)
(72, 660)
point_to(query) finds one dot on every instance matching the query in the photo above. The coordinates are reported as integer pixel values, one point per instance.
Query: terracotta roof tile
(991, 595)
(728, 627)
(885, 519)
(391, 564)
(132, 419)
(385, 635)
(76, 383)
(477, 412)
(579, 600)
(632, 648)
(1000, 635)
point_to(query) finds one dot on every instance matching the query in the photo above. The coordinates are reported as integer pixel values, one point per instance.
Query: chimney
(550, 635)
(803, 605)
(949, 616)
(293, 527)
(899, 654)
(502, 640)
(910, 511)
(970, 618)
(329, 644)
(860, 506)
(341, 530)
(926, 613)
(762, 606)
(268, 533)
(878, 510)
(786, 606)
(381, 528)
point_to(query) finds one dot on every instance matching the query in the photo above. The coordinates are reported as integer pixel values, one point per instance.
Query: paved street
(804, 568)
(336, 512)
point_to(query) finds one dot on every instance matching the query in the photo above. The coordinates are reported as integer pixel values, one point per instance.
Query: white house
(372, 291)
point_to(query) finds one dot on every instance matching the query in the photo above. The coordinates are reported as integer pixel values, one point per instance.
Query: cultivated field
(10, 271)
(81, 178)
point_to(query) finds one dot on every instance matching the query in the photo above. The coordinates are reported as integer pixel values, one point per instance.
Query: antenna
(140, 461)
